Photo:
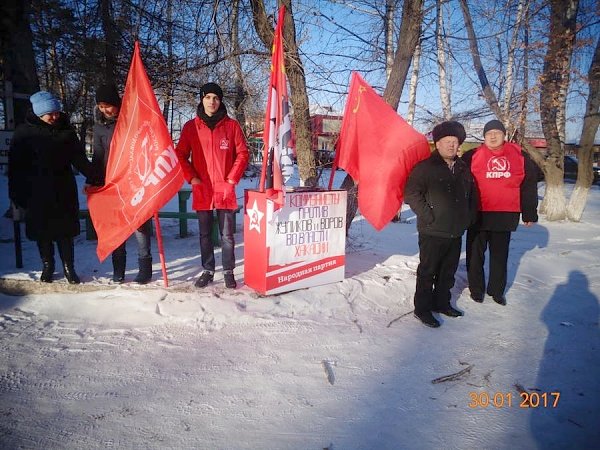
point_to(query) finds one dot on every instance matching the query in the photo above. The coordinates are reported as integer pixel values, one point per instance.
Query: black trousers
(478, 242)
(438, 261)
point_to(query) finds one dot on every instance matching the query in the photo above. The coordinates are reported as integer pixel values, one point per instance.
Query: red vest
(498, 176)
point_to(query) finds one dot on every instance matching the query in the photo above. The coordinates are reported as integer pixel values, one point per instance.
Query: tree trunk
(560, 48)
(111, 40)
(414, 82)
(241, 95)
(16, 46)
(388, 27)
(510, 64)
(488, 93)
(298, 96)
(410, 30)
(441, 62)
(591, 122)
(169, 89)
(523, 104)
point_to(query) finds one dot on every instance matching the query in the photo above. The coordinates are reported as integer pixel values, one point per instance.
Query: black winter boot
(145, 273)
(46, 249)
(71, 275)
(119, 260)
(47, 271)
(67, 255)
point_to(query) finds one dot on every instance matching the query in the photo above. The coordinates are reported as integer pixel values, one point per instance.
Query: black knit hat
(211, 88)
(494, 125)
(449, 128)
(108, 93)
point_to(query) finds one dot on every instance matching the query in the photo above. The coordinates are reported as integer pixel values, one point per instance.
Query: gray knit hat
(494, 125)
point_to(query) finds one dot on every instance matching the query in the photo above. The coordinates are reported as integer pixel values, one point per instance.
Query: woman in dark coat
(41, 181)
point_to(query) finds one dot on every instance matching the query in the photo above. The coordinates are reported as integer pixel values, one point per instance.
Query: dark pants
(477, 243)
(66, 251)
(142, 237)
(226, 219)
(438, 261)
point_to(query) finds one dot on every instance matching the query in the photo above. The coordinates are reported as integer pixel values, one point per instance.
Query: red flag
(142, 173)
(378, 149)
(277, 162)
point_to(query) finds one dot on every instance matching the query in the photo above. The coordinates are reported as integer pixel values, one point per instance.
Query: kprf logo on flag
(277, 161)
(142, 173)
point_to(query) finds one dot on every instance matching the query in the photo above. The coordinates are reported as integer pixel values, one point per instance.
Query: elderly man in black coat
(441, 192)
(41, 181)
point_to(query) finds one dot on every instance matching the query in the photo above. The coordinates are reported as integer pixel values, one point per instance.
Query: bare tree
(591, 122)
(110, 40)
(18, 61)
(388, 25)
(522, 120)
(169, 87)
(410, 30)
(296, 78)
(441, 61)
(510, 64)
(486, 88)
(560, 48)
(241, 94)
(414, 80)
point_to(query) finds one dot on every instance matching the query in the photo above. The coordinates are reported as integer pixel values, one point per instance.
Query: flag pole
(161, 250)
(333, 169)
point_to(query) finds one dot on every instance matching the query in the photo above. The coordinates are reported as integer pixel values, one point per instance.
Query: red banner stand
(298, 246)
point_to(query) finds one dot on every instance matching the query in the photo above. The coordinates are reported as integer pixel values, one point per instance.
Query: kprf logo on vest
(498, 167)
(149, 164)
(224, 144)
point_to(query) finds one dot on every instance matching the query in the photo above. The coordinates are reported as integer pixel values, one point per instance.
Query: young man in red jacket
(506, 180)
(219, 156)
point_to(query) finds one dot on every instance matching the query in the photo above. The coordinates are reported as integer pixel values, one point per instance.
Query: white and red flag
(378, 149)
(142, 173)
(277, 163)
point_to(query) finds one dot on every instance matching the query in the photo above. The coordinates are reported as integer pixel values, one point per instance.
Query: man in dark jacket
(441, 192)
(41, 181)
(108, 103)
(506, 181)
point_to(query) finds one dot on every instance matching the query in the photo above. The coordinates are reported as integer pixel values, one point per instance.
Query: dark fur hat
(449, 128)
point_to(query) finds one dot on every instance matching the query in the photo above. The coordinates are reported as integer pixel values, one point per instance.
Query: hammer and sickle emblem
(361, 89)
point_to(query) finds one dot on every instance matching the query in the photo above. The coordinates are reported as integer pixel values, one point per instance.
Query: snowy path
(200, 383)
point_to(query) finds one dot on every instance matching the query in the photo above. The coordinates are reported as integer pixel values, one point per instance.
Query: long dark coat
(41, 178)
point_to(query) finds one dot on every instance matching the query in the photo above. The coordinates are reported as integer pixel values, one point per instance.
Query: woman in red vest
(506, 180)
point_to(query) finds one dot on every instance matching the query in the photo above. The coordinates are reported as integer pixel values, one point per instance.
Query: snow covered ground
(340, 366)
